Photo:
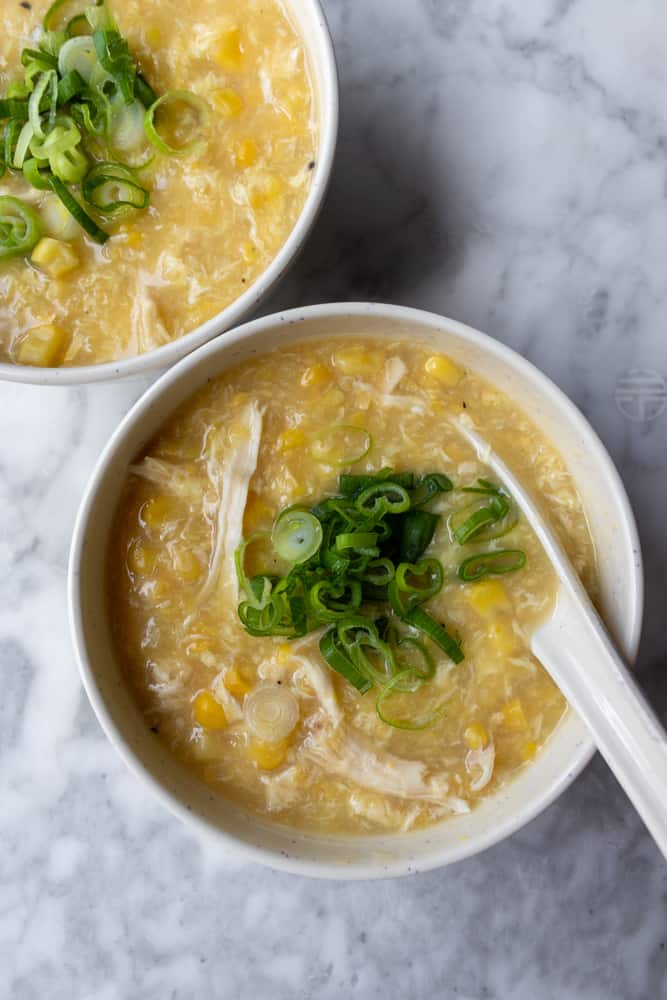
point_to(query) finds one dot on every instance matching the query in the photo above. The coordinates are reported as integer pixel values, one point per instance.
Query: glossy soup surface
(173, 604)
(216, 219)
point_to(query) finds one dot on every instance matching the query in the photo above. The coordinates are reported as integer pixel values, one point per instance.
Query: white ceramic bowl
(569, 748)
(312, 26)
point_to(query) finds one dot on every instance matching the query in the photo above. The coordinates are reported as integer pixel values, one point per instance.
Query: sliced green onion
(12, 133)
(422, 722)
(424, 578)
(143, 91)
(337, 659)
(296, 535)
(70, 86)
(192, 103)
(379, 572)
(78, 55)
(58, 13)
(75, 209)
(99, 17)
(383, 498)
(36, 175)
(114, 56)
(358, 638)
(429, 487)
(484, 487)
(113, 189)
(359, 540)
(331, 600)
(22, 144)
(20, 228)
(491, 564)
(45, 87)
(261, 599)
(417, 531)
(126, 126)
(14, 107)
(77, 26)
(327, 444)
(17, 90)
(427, 624)
(465, 527)
(426, 669)
(36, 60)
(350, 485)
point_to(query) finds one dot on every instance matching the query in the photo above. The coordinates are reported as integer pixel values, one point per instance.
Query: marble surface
(504, 163)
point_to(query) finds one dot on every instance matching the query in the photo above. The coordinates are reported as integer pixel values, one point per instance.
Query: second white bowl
(569, 748)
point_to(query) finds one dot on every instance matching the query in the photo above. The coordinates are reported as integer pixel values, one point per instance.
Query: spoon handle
(574, 646)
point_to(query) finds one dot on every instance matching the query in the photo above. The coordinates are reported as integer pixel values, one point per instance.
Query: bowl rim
(321, 51)
(436, 856)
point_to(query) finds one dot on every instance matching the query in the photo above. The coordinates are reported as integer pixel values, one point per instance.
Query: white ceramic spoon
(575, 647)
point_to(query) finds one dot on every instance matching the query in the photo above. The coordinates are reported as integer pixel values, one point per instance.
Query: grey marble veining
(503, 163)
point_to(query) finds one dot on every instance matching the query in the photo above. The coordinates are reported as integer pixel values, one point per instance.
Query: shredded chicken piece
(147, 323)
(230, 469)
(381, 812)
(481, 760)
(169, 477)
(338, 751)
(318, 679)
(233, 710)
(394, 370)
(284, 789)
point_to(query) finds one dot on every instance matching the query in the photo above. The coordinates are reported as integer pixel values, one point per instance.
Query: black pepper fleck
(311, 165)
(464, 405)
(155, 729)
(25, 5)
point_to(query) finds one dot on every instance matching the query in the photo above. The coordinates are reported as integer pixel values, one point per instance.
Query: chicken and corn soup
(323, 599)
(154, 157)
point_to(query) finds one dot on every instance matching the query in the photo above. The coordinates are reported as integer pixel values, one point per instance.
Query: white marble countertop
(504, 163)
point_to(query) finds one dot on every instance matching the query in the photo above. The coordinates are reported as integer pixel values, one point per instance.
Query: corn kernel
(228, 102)
(443, 370)
(141, 559)
(358, 419)
(229, 51)
(528, 750)
(43, 346)
(475, 737)
(153, 35)
(284, 653)
(293, 437)
(54, 257)
(268, 756)
(235, 682)
(487, 596)
(357, 361)
(502, 637)
(256, 512)
(266, 187)
(133, 236)
(186, 565)
(157, 511)
(246, 154)
(208, 712)
(315, 375)
(514, 715)
(248, 251)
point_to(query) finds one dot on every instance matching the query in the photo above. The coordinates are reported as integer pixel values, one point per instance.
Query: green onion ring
(192, 101)
(105, 178)
(20, 228)
(491, 564)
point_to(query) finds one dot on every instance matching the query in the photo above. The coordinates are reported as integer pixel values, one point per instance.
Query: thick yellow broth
(216, 219)
(179, 640)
